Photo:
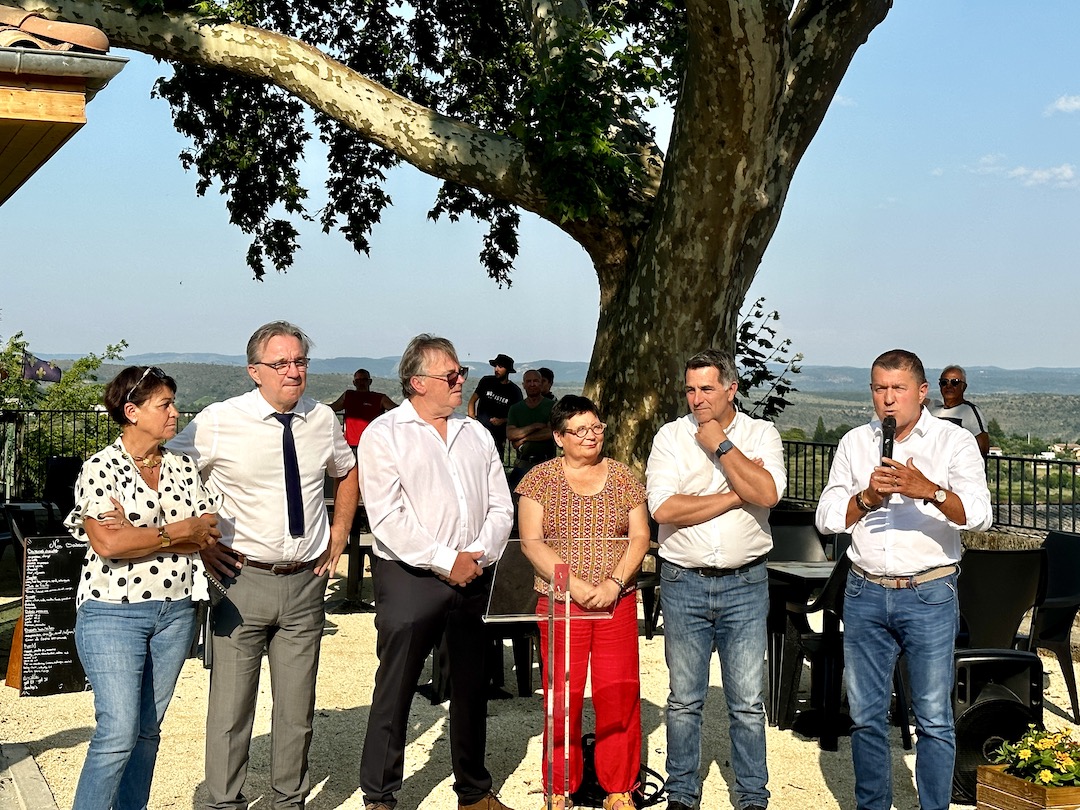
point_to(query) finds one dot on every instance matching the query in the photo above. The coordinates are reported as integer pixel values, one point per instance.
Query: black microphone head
(888, 426)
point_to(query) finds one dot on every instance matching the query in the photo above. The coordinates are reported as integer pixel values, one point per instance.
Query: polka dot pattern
(181, 494)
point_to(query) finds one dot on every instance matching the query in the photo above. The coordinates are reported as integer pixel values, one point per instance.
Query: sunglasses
(157, 372)
(953, 382)
(451, 377)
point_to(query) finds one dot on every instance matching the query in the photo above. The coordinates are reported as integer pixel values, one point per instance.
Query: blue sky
(933, 212)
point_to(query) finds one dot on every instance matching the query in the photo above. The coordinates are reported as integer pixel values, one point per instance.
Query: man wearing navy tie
(268, 452)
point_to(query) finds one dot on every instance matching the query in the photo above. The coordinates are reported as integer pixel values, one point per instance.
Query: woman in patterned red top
(569, 510)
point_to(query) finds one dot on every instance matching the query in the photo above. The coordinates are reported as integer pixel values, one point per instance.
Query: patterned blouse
(163, 575)
(571, 520)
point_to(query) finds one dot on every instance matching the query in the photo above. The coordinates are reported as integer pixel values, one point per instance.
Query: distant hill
(820, 379)
(565, 371)
(981, 380)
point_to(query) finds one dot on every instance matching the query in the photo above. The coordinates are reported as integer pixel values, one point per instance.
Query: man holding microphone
(904, 504)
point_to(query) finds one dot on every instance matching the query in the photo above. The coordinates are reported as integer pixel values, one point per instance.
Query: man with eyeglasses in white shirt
(712, 477)
(268, 453)
(440, 512)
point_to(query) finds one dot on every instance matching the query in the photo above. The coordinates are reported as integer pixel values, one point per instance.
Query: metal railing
(30, 441)
(1027, 493)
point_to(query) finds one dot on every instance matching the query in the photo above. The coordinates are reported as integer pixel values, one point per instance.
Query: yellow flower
(1044, 776)
(1024, 753)
(1043, 744)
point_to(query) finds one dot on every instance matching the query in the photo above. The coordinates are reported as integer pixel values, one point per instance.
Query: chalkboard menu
(50, 663)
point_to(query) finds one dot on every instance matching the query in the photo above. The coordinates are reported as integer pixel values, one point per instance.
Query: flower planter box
(997, 790)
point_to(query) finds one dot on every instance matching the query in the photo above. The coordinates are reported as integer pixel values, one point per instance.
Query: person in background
(491, 400)
(145, 515)
(589, 511)
(440, 513)
(712, 477)
(268, 452)
(360, 406)
(956, 409)
(547, 379)
(527, 428)
(904, 514)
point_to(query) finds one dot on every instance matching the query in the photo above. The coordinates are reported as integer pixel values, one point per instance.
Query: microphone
(888, 433)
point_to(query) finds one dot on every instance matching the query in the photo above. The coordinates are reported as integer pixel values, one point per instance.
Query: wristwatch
(940, 495)
(163, 536)
(724, 447)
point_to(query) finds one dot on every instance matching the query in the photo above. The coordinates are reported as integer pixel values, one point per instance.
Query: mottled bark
(740, 129)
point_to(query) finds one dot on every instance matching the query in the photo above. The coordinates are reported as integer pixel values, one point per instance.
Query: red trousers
(612, 646)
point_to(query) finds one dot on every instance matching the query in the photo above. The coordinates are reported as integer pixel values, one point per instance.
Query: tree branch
(436, 144)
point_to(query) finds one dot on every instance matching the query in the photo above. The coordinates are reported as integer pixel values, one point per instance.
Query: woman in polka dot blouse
(145, 515)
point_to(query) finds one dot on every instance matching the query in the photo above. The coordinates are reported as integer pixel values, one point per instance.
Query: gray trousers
(283, 616)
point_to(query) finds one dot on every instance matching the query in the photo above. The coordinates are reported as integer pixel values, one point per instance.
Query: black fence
(39, 447)
(1027, 493)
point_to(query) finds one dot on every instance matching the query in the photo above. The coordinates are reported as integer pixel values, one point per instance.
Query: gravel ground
(56, 729)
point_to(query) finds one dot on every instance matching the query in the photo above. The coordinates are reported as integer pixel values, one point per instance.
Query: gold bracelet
(163, 536)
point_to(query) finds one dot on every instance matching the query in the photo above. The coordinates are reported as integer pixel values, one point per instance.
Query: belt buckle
(279, 569)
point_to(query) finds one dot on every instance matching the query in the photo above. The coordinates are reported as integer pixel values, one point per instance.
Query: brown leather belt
(281, 568)
(906, 582)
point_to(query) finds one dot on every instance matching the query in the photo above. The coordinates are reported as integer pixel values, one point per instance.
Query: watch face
(940, 496)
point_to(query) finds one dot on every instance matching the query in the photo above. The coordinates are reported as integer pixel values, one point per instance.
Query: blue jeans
(132, 654)
(728, 613)
(879, 623)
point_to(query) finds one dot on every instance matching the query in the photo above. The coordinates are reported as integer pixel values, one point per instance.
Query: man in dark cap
(493, 397)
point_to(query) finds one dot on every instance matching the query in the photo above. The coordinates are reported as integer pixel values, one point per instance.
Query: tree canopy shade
(520, 104)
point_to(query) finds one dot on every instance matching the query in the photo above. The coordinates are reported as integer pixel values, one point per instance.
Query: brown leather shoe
(489, 802)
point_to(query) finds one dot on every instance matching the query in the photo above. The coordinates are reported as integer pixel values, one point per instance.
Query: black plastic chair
(996, 589)
(792, 542)
(648, 582)
(795, 543)
(824, 649)
(1053, 623)
(61, 472)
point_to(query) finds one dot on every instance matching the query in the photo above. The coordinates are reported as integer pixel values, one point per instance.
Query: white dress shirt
(678, 465)
(428, 499)
(237, 447)
(906, 536)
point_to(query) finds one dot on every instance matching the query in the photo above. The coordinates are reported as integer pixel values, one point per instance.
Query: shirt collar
(920, 427)
(265, 410)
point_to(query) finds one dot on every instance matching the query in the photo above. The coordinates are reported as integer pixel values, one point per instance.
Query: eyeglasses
(282, 366)
(581, 432)
(953, 382)
(451, 377)
(157, 372)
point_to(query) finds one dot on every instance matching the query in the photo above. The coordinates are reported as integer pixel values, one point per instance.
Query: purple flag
(40, 370)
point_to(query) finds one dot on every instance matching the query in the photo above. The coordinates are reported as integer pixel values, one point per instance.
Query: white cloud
(844, 101)
(989, 164)
(1063, 176)
(1064, 104)
(938, 172)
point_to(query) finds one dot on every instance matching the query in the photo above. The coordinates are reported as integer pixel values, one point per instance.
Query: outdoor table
(796, 582)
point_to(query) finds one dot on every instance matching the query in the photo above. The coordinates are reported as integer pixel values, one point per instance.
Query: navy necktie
(292, 476)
